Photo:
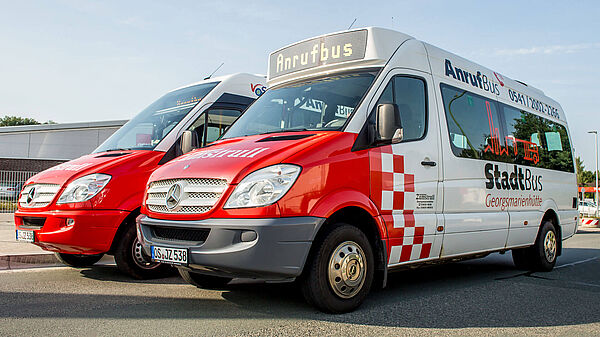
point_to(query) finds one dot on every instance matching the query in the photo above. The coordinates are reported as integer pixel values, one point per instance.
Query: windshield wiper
(285, 130)
(111, 150)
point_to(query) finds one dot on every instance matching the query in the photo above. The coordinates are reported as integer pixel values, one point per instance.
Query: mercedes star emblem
(174, 196)
(30, 195)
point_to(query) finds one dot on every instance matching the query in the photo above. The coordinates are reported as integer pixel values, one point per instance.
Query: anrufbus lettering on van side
(225, 153)
(476, 79)
(315, 52)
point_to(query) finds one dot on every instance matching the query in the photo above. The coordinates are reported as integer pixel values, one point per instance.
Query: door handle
(428, 163)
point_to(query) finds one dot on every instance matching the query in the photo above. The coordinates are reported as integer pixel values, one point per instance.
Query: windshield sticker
(258, 89)
(330, 49)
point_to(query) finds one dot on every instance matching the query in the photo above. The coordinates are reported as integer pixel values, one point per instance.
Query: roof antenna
(352, 24)
(209, 76)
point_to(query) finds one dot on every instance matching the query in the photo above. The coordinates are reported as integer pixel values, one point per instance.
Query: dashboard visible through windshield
(151, 125)
(319, 104)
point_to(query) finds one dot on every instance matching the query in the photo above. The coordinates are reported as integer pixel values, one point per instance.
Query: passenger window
(211, 125)
(473, 125)
(557, 148)
(408, 93)
(523, 136)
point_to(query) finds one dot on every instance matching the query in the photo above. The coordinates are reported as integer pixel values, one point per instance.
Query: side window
(473, 125)
(408, 93)
(535, 141)
(556, 147)
(218, 121)
(211, 125)
(523, 136)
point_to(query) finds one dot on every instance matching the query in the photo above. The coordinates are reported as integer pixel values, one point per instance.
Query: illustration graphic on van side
(530, 149)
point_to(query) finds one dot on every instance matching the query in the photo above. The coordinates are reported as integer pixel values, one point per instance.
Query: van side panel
(522, 167)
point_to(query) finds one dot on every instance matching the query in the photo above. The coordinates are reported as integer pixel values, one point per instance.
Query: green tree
(580, 169)
(14, 120)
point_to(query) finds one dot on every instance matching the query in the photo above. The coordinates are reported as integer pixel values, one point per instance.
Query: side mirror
(389, 126)
(186, 142)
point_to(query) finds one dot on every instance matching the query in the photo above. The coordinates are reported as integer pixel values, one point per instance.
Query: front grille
(42, 196)
(180, 234)
(33, 223)
(195, 195)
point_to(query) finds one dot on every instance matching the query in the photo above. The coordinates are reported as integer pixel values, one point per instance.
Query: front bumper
(92, 232)
(272, 248)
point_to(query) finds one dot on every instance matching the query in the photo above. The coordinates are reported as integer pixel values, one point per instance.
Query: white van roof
(234, 82)
(374, 47)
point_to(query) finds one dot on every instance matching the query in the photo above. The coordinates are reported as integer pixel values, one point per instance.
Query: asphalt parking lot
(478, 297)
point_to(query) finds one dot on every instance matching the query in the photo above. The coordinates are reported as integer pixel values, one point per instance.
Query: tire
(521, 259)
(78, 260)
(339, 273)
(542, 255)
(204, 281)
(131, 259)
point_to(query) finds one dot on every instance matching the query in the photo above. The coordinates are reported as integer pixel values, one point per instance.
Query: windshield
(319, 104)
(151, 125)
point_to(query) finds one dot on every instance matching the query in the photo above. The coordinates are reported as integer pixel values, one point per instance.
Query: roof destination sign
(329, 49)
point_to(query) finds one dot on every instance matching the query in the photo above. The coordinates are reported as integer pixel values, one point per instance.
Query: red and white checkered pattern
(393, 192)
(588, 222)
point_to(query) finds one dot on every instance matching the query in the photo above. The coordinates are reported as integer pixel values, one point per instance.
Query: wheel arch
(551, 216)
(128, 221)
(364, 220)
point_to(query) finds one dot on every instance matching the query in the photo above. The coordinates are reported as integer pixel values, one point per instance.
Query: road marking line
(577, 262)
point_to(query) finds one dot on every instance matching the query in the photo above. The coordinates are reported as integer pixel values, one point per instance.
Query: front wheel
(203, 281)
(132, 260)
(339, 273)
(78, 260)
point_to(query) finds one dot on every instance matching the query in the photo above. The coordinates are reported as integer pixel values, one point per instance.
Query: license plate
(170, 255)
(25, 236)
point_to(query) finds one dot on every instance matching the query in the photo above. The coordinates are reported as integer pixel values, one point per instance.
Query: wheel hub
(550, 246)
(140, 258)
(347, 269)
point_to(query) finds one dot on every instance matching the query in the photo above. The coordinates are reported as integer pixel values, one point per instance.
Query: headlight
(263, 187)
(84, 188)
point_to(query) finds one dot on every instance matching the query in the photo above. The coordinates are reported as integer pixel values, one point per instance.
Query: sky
(84, 60)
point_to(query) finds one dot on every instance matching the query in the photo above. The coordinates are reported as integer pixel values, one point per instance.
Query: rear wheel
(339, 273)
(203, 281)
(542, 255)
(132, 260)
(78, 260)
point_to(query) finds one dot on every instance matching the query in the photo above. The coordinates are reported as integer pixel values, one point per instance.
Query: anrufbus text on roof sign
(330, 49)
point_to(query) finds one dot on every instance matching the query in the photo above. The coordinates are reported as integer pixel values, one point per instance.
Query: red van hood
(101, 162)
(232, 159)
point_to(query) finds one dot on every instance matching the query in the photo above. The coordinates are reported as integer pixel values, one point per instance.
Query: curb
(8, 262)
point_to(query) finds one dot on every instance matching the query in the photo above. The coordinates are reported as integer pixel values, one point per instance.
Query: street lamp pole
(595, 132)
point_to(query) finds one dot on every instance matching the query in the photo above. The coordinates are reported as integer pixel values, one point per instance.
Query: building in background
(27, 150)
(38, 147)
